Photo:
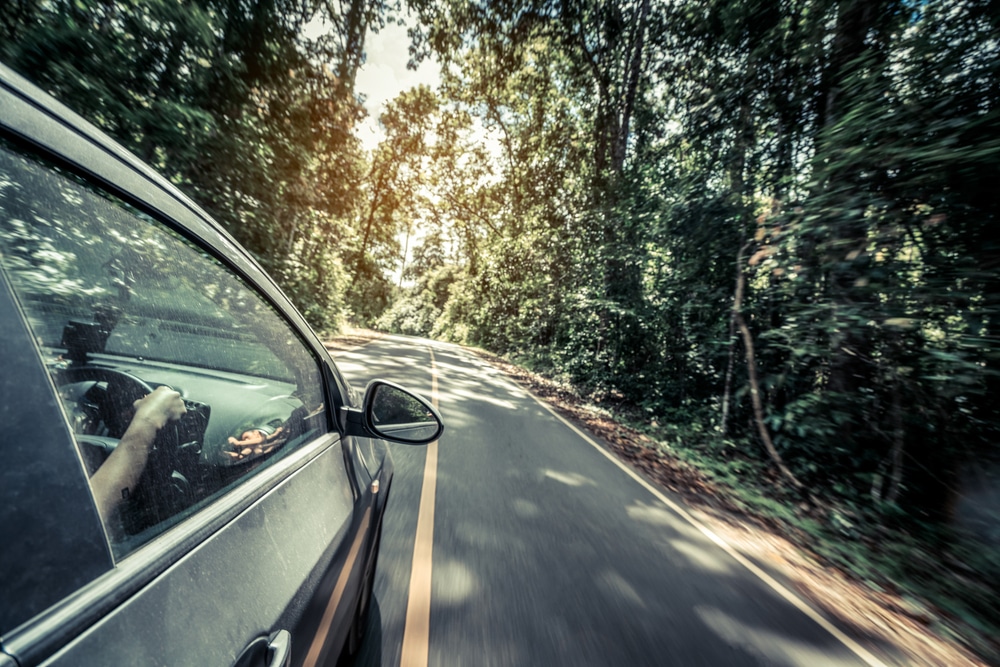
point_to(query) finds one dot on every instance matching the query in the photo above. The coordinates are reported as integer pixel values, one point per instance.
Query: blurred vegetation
(759, 228)
(246, 106)
(763, 227)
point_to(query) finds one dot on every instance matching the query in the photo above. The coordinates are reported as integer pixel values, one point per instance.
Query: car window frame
(38, 127)
(77, 551)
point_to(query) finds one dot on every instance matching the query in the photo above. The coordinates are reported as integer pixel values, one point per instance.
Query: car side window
(177, 377)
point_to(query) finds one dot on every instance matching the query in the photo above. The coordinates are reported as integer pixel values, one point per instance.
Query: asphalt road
(545, 552)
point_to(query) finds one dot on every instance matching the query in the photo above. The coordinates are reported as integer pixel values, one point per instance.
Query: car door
(255, 545)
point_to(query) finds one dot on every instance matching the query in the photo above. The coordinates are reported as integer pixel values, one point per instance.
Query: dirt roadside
(349, 339)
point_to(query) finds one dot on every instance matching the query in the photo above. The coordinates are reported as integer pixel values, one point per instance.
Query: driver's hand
(161, 406)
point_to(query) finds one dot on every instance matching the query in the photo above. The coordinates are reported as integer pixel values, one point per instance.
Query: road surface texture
(517, 541)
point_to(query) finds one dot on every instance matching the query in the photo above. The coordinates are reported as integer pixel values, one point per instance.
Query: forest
(757, 230)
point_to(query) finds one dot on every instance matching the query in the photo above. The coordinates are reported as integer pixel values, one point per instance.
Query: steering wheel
(162, 489)
(172, 471)
(114, 405)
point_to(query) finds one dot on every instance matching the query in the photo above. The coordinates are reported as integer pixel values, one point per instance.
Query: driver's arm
(117, 477)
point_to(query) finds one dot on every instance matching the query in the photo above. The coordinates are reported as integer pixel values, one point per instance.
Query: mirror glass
(398, 415)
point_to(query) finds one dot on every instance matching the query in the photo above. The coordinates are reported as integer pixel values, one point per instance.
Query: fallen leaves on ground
(350, 338)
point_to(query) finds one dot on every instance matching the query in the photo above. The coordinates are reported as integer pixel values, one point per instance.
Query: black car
(186, 477)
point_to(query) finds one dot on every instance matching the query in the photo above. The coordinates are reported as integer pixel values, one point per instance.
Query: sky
(384, 75)
(380, 80)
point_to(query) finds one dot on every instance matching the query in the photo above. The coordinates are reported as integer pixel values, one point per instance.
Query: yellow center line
(416, 632)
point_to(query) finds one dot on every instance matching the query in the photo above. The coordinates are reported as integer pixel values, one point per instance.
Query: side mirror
(394, 413)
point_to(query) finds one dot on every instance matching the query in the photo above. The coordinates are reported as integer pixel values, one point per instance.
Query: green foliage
(230, 103)
(417, 312)
(369, 294)
(411, 315)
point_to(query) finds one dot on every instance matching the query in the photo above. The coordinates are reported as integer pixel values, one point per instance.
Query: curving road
(539, 549)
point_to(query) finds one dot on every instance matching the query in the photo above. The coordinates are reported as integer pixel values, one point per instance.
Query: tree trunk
(730, 365)
(406, 249)
(849, 236)
(355, 27)
(634, 69)
(737, 169)
(758, 407)
(896, 469)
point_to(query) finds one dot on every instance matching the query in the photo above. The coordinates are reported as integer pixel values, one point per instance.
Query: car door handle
(280, 648)
(273, 651)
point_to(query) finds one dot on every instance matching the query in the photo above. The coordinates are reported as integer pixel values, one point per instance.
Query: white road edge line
(852, 645)
(416, 629)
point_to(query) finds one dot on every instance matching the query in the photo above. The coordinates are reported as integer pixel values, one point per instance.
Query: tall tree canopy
(234, 101)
